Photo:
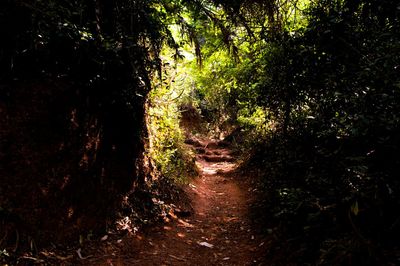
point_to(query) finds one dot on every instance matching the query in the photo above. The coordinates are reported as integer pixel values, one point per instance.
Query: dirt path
(217, 233)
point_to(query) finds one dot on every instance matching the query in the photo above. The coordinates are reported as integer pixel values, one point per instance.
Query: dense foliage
(166, 136)
(323, 94)
(313, 86)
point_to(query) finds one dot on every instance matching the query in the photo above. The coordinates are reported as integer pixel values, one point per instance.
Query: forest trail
(218, 232)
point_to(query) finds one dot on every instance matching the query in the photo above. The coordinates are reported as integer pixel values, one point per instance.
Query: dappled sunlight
(199, 132)
(219, 229)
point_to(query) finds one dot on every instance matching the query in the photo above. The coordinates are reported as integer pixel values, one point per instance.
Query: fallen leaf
(186, 224)
(205, 244)
(79, 253)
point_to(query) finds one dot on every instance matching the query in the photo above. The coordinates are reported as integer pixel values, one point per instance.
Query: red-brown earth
(218, 231)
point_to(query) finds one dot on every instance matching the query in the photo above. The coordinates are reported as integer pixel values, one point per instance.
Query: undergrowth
(326, 200)
(166, 139)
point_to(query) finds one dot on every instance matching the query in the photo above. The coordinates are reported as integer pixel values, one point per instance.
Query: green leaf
(354, 208)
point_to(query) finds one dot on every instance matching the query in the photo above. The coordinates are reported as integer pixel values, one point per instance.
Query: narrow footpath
(219, 230)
